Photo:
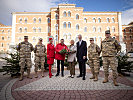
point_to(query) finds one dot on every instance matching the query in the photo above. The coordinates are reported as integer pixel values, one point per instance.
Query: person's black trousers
(62, 66)
(82, 68)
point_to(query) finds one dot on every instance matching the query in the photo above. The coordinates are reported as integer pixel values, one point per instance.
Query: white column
(13, 28)
(120, 27)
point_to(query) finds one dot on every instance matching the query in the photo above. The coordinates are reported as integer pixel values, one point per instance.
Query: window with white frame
(99, 20)
(113, 29)
(19, 39)
(56, 16)
(77, 27)
(100, 39)
(99, 29)
(69, 25)
(108, 28)
(85, 20)
(48, 29)
(34, 29)
(64, 25)
(20, 20)
(56, 27)
(2, 31)
(40, 20)
(69, 14)
(95, 39)
(8, 31)
(64, 14)
(94, 29)
(48, 20)
(8, 37)
(107, 20)
(20, 30)
(113, 20)
(25, 20)
(34, 20)
(69, 35)
(94, 20)
(76, 39)
(65, 36)
(77, 16)
(85, 29)
(34, 39)
(39, 29)
(25, 29)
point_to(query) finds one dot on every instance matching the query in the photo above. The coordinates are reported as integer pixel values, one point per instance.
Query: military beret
(25, 37)
(91, 39)
(107, 32)
(40, 39)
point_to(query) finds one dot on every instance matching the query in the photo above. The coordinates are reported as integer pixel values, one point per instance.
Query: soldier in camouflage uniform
(25, 48)
(110, 47)
(39, 57)
(93, 55)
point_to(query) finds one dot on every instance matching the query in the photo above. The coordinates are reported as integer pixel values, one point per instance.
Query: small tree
(12, 67)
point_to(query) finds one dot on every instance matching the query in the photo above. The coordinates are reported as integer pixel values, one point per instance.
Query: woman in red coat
(50, 55)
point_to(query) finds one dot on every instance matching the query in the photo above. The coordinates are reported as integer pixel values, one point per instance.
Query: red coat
(58, 48)
(50, 53)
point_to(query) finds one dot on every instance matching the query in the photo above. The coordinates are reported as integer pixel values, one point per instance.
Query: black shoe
(62, 75)
(57, 75)
(79, 76)
(83, 78)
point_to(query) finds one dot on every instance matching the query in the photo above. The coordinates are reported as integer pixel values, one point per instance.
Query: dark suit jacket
(81, 51)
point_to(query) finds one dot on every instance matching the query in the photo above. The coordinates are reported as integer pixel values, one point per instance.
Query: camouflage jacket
(110, 47)
(40, 50)
(25, 49)
(93, 51)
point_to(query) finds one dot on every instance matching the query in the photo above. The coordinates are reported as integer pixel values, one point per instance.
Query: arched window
(48, 29)
(39, 29)
(125, 37)
(69, 35)
(64, 25)
(2, 31)
(34, 20)
(99, 20)
(56, 16)
(64, 14)
(113, 20)
(113, 29)
(130, 30)
(8, 37)
(25, 29)
(2, 44)
(34, 29)
(124, 30)
(20, 20)
(85, 29)
(85, 20)
(20, 30)
(99, 29)
(25, 20)
(48, 20)
(34, 39)
(69, 14)
(94, 29)
(100, 39)
(107, 20)
(56, 27)
(69, 25)
(77, 27)
(77, 16)
(108, 28)
(94, 20)
(76, 39)
(8, 31)
(39, 20)
(2, 38)
(19, 39)
(64, 35)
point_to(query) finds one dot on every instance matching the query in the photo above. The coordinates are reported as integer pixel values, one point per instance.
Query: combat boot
(21, 77)
(96, 77)
(36, 76)
(42, 73)
(28, 74)
(105, 79)
(115, 83)
(92, 71)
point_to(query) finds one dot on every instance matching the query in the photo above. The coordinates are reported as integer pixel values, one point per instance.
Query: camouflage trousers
(94, 65)
(39, 61)
(112, 62)
(25, 62)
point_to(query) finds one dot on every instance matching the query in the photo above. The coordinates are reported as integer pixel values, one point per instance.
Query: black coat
(81, 51)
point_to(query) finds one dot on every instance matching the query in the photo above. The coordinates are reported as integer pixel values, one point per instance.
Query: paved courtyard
(65, 88)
